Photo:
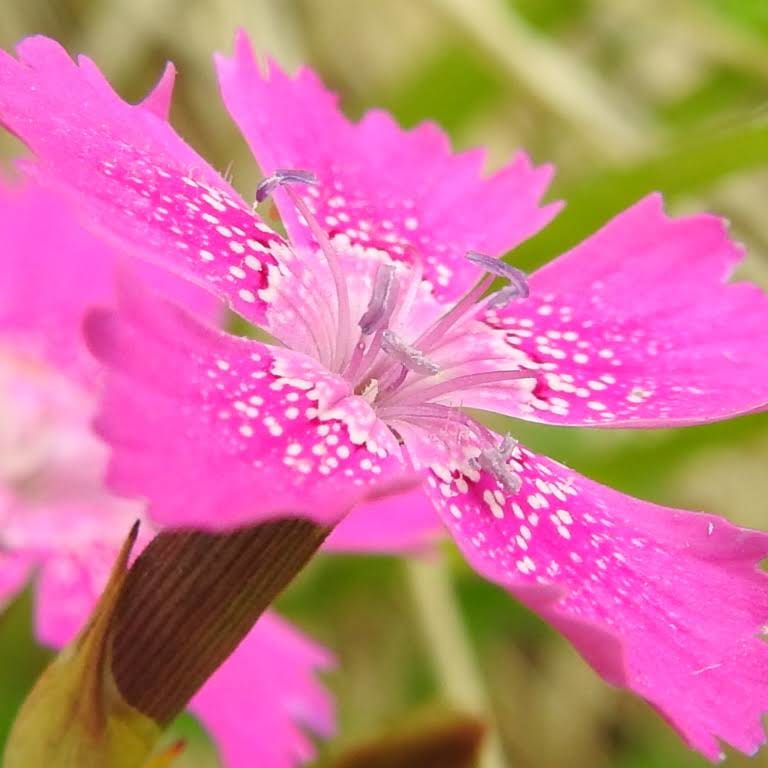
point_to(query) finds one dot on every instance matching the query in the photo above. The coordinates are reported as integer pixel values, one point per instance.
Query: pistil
(284, 178)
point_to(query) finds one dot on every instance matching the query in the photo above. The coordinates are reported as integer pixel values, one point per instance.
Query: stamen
(280, 178)
(390, 384)
(411, 357)
(286, 178)
(492, 458)
(383, 299)
(440, 416)
(518, 280)
(375, 320)
(502, 297)
(496, 462)
(465, 305)
(426, 391)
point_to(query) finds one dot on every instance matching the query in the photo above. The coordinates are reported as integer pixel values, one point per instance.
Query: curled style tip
(280, 177)
(517, 280)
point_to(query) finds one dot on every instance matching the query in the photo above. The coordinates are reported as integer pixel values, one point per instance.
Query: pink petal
(198, 419)
(403, 192)
(53, 272)
(637, 327)
(403, 523)
(68, 586)
(132, 177)
(72, 545)
(258, 701)
(159, 99)
(667, 603)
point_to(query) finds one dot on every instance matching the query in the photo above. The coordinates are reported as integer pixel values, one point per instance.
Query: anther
(382, 303)
(496, 462)
(411, 357)
(517, 279)
(281, 177)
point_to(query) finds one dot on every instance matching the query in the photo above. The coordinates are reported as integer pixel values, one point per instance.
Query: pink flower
(387, 335)
(58, 518)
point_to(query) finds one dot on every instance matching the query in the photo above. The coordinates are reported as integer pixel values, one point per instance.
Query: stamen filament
(382, 303)
(361, 370)
(390, 384)
(321, 332)
(344, 322)
(453, 315)
(470, 381)
(284, 178)
(375, 320)
(441, 415)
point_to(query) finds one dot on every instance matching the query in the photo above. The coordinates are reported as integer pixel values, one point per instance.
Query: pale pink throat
(397, 374)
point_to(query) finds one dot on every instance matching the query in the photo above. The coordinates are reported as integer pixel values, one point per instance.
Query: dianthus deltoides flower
(56, 516)
(388, 333)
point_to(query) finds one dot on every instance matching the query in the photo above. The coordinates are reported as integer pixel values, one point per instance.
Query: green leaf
(679, 171)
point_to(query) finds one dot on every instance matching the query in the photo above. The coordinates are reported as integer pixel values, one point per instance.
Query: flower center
(403, 373)
(45, 428)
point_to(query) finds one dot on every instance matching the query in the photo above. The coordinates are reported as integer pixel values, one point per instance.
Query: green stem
(453, 657)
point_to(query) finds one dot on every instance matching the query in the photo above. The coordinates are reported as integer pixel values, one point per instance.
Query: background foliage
(625, 96)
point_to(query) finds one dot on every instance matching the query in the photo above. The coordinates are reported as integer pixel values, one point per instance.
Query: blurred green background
(625, 96)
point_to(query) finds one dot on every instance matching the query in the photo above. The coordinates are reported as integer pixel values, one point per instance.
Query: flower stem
(441, 623)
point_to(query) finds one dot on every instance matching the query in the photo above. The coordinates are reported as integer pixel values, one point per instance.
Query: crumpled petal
(257, 703)
(221, 414)
(131, 176)
(667, 603)
(403, 192)
(637, 327)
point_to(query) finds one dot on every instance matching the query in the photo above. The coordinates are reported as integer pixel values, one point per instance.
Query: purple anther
(382, 303)
(413, 359)
(496, 462)
(280, 177)
(517, 279)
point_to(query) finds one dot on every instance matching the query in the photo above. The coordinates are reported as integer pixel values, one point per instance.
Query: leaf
(678, 171)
